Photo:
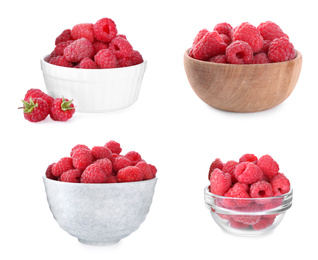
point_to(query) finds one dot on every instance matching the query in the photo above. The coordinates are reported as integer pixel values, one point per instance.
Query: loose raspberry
(248, 157)
(210, 45)
(83, 30)
(260, 58)
(237, 225)
(99, 46)
(248, 173)
(37, 93)
(59, 49)
(261, 189)
(62, 109)
(271, 31)
(268, 165)
(93, 174)
(199, 36)
(248, 219)
(105, 59)
(145, 169)
(219, 59)
(239, 52)
(281, 49)
(129, 174)
(35, 110)
(78, 146)
(88, 63)
(248, 33)
(82, 158)
(134, 157)
(223, 28)
(120, 162)
(121, 47)
(217, 163)
(114, 146)
(63, 165)
(106, 165)
(49, 173)
(280, 184)
(71, 176)
(237, 191)
(229, 167)
(100, 152)
(64, 37)
(61, 61)
(105, 30)
(219, 182)
(263, 223)
(79, 50)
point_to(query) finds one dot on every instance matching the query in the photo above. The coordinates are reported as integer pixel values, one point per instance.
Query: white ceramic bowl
(99, 214)
(94, 90)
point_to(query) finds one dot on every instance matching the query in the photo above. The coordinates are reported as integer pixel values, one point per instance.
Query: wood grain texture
(242, 88)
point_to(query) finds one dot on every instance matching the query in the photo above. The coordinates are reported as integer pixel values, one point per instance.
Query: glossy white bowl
(99, 214)
(94, 90)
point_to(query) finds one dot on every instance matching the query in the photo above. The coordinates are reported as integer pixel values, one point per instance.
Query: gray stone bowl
(99, 214)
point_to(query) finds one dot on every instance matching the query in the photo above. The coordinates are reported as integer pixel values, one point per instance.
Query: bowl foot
(98, 243)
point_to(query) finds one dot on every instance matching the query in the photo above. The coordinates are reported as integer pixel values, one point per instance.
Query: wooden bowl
(242, 88)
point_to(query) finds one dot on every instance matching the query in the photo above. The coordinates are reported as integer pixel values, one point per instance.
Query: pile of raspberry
(93, 46)
(244, 44)
(101, 164)
(249, 178)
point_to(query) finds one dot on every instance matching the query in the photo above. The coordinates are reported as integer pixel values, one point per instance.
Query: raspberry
(105, 30)
(35, 110)
(121, 47)
(223, 28)
(106, 166)
(248, 157)
(61, 61)
(263, 223)
(64, 37)
(105, 59)
(226, 39)
(266, 44)
(78, 50)
(261, 189)
(71, 176)
(210, 45)
(268, 165)
(248, 219)
(100, 152)
(124, 62)
(145, 169)
(93, 174)
(134, 157)
(248, 173)
(271, 31)
(136, 58)
(248, 33)
(99, 46)
(82, 158)
(78, 146)
(199, 36)
(239, 52)
(88, 63)
(219, 59)
(120, 162)
(129, 174)
(62, 109)
(237, 191)
(59, 49)
(229, 167)
(113, 146)
(83, 30)
(217, 163)
(260, 58)
(238, 225)
(49, 173)
(280, 184)
(281, 49)
(37, 93)
(153, 170)
(219, 182)
(111, 179)
(63, 165)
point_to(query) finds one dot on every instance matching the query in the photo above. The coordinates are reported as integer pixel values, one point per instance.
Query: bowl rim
(298, 56)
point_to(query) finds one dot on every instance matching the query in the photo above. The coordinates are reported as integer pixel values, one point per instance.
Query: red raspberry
(145, 169)
(136, 58)
(83, 30)
(71, 176)
(248, 157)
(99, 46)
(199, 36)
(129, 174)
(105, 59)
(210, 45)
(82, 158)
(219, 59)
(263, 223)
(93, 174)
(268, 165)
(88, 63)
(271, 31)
(100, 152)
(226, 39)
(59, 49)
(114, 146)
(219, 182)
(121, 47)
(35, 110)
(237, 225)
(111, 179)
(134, 157)
(261, 189)
(106, 165)
(248, 173)
(280, 184)
(266, 44)
(37, 93)
(237, 191)
(105, 30)
(239, 52)
(217, 163)
(64, 37)
(78, 146)
(79, 50)
(248, 219)
(120, 162)
(281, 49)
(124, 62)
(229, 167)
(49, 173)
(260, 58)
(248, 33)
(153, 170)
(61, 61)
(62, 109)
(63, 165)
(223, 28)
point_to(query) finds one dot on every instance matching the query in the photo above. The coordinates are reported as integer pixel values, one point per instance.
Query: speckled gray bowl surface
(99, 214)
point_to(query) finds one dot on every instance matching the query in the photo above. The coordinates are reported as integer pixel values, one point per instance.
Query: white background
(168, 125)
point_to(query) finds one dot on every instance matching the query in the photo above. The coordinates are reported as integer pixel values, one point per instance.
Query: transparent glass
(247, 216)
